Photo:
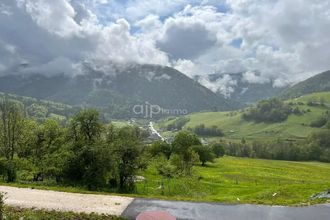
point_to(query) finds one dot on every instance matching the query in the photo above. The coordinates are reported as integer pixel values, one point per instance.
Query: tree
(46, 148)
(184, 163)
(90, 166)
(325, 156)
(161, 148)
(322, 101)
(164, 167)
(128, 154)
(205, 153)
(111, 133)
(11, 131)
(218, 149)
(207, 131)
(184, 156)
(90, 159)
(183, 141)
(86, 126)
(319, 122)
(177, 124)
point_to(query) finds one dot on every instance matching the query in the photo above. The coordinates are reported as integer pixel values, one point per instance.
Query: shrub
(184, 163)
(177, 124)
(218, 149)
(164, 167)
(205, 153)
(160, 148)
(207, 131)
(320, 122)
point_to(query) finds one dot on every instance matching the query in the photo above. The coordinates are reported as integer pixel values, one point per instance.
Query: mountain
(318, 83)
(42, 109)
(245, 92)
(117, 89)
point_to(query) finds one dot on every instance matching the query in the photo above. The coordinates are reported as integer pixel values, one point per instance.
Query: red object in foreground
(155, 215)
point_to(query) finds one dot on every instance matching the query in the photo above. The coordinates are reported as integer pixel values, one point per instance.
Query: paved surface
(210, 211)
(52, 200)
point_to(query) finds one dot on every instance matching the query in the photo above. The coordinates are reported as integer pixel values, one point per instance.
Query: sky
(277, 41)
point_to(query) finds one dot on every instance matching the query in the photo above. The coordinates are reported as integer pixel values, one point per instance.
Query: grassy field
(228, 179)
(12, 213)
(243, 180)
(235, 128)
(120, 124)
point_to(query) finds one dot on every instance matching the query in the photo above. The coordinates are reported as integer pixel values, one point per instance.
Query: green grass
(250, 180)
(235, 128)
(120, 124)
(12, 213)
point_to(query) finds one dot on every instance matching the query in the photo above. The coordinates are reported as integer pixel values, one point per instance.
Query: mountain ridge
(317, 83)
(116, 91)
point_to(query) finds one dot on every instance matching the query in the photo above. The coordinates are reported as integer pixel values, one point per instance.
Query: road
(76, 202)
(214, 211)
(153, 131)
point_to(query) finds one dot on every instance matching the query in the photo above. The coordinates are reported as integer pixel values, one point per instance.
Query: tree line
(315, 148)
(202, 130)
(83, 152)
(269, 111)
(86, 152)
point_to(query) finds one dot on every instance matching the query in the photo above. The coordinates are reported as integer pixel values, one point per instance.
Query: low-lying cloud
(268, 41)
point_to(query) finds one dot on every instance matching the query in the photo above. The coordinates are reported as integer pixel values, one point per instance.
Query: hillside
(235, 128)
(116, 90)
(318, 83)
(42, 109)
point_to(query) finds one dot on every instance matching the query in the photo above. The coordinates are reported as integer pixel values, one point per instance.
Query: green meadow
(229, 180)
(242, 180)
(235, 128)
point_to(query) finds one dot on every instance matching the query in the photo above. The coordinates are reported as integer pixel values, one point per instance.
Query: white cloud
(149, 23)
(55, 16)
(224, 85)
(54, 36)
(137, 9)
(187, 67)
(253, 77)
(284, 41)
(117, 44)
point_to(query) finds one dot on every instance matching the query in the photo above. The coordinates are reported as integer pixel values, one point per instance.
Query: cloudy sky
(284, 40)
